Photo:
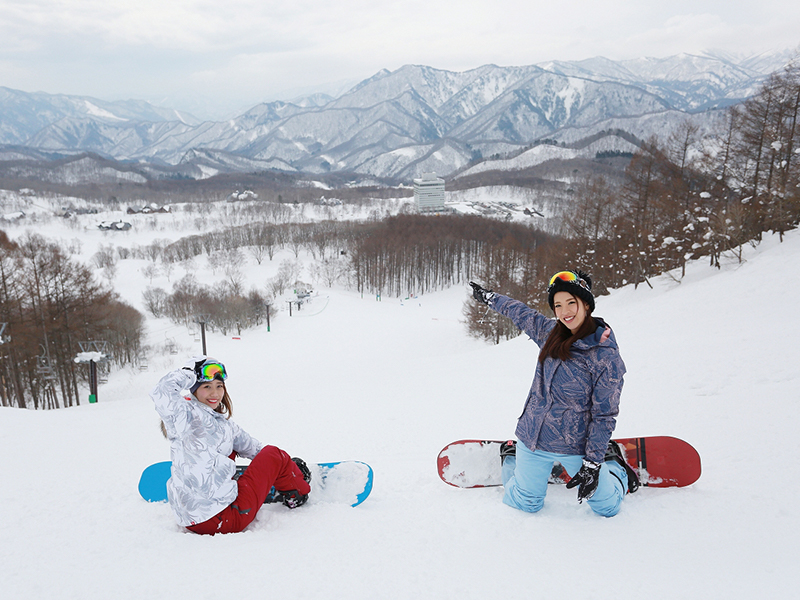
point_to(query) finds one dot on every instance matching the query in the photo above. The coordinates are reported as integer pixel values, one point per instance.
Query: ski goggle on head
(569, 277)
(211, 370)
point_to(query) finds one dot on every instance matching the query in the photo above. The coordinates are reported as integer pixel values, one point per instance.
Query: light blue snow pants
(525, 479)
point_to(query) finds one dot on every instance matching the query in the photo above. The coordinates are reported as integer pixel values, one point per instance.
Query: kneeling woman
(204, 444)
(571, 409)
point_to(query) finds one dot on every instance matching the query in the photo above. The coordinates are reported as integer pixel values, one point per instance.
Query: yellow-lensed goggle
(569, 277)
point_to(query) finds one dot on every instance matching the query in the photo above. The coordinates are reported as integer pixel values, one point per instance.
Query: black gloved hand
(194, 364)
(293, 498)
(480, 294)
(587, 478)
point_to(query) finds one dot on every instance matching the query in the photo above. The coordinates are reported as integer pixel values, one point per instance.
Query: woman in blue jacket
(571, 409)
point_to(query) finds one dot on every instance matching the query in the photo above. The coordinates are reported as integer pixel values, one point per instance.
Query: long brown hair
(225, 407)
(561, 338)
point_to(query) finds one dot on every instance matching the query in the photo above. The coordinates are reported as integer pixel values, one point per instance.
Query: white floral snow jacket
(201, 442)
(572, 405)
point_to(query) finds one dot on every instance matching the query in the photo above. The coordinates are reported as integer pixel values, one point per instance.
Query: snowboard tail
(343, 482)
(659, 461)
(662, 461)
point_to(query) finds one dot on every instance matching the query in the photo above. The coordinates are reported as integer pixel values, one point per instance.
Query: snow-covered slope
(710, 360)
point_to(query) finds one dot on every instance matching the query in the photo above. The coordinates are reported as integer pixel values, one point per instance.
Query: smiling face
(571, 311)
(210, 393)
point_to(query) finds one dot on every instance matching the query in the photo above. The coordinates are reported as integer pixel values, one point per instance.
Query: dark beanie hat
(577, 283)
(218, 369)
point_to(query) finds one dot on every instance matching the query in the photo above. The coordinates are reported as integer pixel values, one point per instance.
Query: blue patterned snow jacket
(573, 404)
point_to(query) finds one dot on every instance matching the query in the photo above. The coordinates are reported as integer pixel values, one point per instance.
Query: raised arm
(171, 405)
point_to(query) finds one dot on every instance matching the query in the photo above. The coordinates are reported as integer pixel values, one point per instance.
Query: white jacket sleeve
(170, 403)
(245, 445)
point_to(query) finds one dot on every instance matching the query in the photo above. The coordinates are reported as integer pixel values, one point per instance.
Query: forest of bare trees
(49, 306)
(692, 196)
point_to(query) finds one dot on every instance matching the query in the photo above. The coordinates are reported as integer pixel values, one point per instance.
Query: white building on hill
(429, 193)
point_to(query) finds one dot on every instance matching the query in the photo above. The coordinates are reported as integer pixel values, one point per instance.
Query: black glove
(194, 364)
(293, 498)
(480, 294)
(587, 478)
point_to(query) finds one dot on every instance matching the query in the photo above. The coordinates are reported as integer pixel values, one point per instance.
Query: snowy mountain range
(396, 124)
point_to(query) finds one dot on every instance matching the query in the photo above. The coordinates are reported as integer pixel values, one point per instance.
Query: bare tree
(154, 301)
(328, 271)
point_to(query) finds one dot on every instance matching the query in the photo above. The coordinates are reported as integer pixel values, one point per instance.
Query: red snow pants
(271, 467)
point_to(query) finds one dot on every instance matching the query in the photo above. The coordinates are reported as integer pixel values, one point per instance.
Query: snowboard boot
(301, 464)
(293, 498)
(614, 452)
(508, 448)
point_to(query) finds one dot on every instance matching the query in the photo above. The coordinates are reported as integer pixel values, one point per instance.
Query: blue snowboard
(348, 481)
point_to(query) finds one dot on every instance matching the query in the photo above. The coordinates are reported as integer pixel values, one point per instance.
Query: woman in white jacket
(204, 444)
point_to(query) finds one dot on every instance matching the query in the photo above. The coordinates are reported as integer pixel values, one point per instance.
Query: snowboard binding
(614, 453)
(508, 448)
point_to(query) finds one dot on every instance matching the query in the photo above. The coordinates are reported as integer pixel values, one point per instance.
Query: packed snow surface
(712, 360)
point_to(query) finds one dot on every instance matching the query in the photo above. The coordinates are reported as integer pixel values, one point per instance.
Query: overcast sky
(219, 56)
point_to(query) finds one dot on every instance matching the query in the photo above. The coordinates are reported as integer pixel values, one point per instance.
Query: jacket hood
(603, 336)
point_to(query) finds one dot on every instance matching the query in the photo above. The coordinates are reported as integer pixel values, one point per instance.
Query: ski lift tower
(202, 320)
(92, 353)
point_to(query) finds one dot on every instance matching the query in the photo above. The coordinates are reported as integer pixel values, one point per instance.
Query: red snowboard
(660, 461)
